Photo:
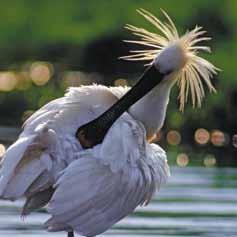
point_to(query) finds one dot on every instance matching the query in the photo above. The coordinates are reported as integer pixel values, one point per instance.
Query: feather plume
(196, 72)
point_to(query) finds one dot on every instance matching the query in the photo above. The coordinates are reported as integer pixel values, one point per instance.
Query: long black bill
(93, 133)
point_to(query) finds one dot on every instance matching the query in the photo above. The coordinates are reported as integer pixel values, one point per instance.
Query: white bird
(89, 190)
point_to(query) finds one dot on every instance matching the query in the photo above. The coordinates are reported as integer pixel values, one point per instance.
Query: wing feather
(49, 134)
(104, 185)
(11, 159)
(93, 188)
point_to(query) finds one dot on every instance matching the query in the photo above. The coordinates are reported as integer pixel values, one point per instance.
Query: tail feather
(11, 160)
(22, 180)
(25, 168)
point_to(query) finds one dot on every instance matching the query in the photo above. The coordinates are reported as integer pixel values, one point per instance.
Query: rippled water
(195, 202)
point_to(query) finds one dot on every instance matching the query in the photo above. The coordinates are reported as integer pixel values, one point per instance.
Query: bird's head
(171, 59)
(175, 56)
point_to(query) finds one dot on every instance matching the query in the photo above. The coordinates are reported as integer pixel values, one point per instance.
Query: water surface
(195, 202)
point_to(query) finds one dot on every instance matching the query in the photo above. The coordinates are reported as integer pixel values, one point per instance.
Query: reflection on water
(195, 202)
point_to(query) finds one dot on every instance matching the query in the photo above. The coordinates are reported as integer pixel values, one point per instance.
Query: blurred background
(47, 46)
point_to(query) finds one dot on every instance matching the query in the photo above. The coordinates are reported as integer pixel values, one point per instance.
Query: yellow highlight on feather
(195, 72)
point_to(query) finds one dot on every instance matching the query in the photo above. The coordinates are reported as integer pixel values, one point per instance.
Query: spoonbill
(88, 156)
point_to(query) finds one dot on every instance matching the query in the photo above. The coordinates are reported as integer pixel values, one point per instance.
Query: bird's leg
(70, 234)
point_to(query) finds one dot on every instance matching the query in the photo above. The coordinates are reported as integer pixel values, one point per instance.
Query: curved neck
(151, 109)
(93, 132)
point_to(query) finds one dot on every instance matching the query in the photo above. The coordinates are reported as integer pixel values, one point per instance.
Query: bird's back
(103, 184)
(53, 124)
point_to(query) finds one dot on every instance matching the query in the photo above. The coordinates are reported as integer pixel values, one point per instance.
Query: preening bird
(88, 155)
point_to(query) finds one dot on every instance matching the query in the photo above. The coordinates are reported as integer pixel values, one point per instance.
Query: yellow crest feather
(196, 70)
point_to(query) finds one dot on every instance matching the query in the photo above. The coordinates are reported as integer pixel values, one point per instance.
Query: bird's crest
(196, 71)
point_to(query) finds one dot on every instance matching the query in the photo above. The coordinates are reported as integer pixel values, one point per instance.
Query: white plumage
(90, 190)
(94, 188)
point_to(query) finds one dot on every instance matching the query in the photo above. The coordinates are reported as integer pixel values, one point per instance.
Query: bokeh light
(41, 72)
(173, 137)
(217, 138)
(24, 81)
(201, 136)
(209, 161)
(182, 160)
(2, 150)
(8, 81)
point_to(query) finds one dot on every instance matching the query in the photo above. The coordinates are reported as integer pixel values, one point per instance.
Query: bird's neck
(151, 109)
(93, 132)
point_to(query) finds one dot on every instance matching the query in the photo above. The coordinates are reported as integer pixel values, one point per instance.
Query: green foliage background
(63, 32)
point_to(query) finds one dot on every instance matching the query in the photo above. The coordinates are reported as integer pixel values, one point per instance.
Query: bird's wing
(78, 106)
(44, 114)
(119, 91)
(47, 143)
(109, 181)
(26, 165)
